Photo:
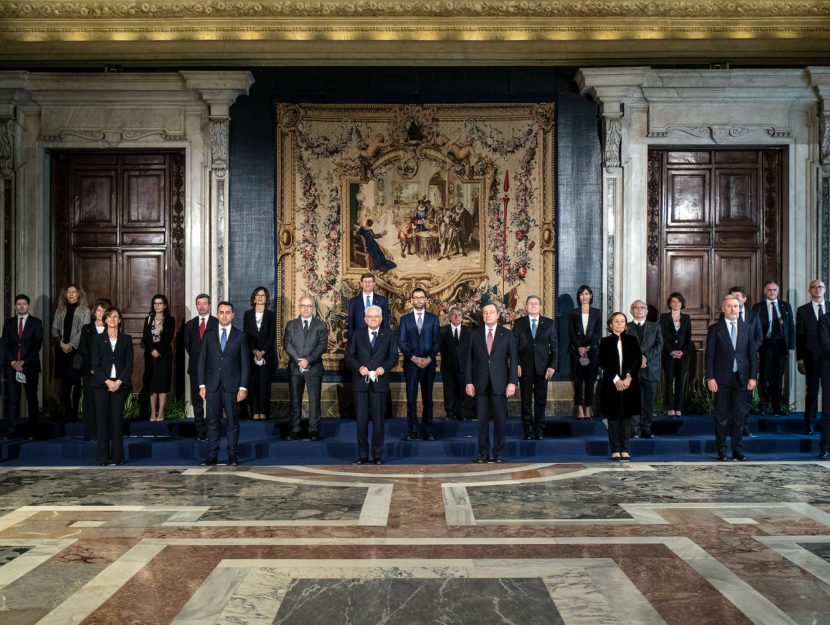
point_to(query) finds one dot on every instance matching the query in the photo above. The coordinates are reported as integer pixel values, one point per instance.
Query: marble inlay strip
(257, 598)
(211, 597)
(516, 469)
(628, 603)
(636, 467)
(100, 588)
(789, 547)
(15, 516)
(41, 551)
(576, 598)
(457, 506)
(187, 515)
(375, 510)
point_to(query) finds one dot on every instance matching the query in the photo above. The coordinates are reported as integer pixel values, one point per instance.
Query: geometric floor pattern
(538, 544)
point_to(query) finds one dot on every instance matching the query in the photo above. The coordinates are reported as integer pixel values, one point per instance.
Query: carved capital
(6, 147)
(613, 135)
(218, 139)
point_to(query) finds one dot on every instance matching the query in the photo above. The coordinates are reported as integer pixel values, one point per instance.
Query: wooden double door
(714, 221)
(118, 224)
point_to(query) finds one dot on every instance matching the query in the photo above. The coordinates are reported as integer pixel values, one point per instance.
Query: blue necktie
(533, 328)
(224, 338)
(821, 309)
(374, 336)
(733, 334)
(368, 301)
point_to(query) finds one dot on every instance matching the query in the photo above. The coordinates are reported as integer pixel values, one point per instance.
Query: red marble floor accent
(416, 510)
(96, 551)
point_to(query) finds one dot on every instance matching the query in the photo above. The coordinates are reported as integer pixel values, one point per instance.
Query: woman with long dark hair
(88, 333)
(157, 340)
(112, 370)
(676, 327)
(584, 332)
(71, 315)
(620, 360)
(260, 327)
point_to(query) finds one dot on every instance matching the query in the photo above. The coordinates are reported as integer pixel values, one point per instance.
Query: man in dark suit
(305, 340)
(776, 320)
(824, 368)
(359, 304)
(750, 318)
(223, 376)
(21, 341)
(419, 338)
(370, 354)
(455, 338)
(731, 371)
(538, 348)
(192, 337)
(491, 374)
(650, 337)
(808, 349)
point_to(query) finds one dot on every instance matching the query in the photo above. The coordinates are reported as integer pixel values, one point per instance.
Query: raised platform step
(690, 438)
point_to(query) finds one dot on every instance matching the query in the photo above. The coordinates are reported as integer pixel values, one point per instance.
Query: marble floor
(530, 544)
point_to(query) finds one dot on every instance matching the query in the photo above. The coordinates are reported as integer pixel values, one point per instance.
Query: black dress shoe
(540, 437)
(378, 461)
(482, 460)
(528, 437)
(646, 435)
(721, 457)
(209, 462)
(498, 460)
(411, 437)
(822, 455)
(232, 461)
(294, 436)
(315, 436)
(430, 437)
(362, 461)
(739, 457)
(635, 435)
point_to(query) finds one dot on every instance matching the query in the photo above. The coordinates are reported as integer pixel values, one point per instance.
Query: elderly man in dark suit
(419, 338)
(305, 340)
(370, 354)
(808, 349)
(732, 371)
(21, 341)
(538, 348)
(359, 303)
(455, 339)
(491, 374)
(223, 377)
(750, 318)
(650, 337)
(192, 337)
(776, 320)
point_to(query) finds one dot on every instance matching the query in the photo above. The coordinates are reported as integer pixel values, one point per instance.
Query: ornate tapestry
(455, 198)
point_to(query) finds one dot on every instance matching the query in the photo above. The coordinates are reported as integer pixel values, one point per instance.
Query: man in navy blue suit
(731, 371)
(808, 349)
(491, 374)
(370, 354)
(193, 335)
(359, 304)
(776, 320)
(750, 318)
(419, 339)
(223, 378)
(21, 341)
(538, 349)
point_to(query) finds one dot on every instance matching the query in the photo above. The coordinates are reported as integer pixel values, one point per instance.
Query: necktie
(741, 316)
(533, 328)
(456, 334)
(489, 340)
(368, 301)
(771, 311)
(202, 328)
(733, 334)
(305, 325)
(19, 335)
(419, 322)
(374, 336)
(224, 339)
(775, 317)
(821, 309)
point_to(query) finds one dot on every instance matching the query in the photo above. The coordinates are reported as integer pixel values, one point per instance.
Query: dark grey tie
(733, 334)
(305, 326)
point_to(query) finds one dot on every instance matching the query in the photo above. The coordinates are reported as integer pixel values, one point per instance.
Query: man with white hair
(650, 336)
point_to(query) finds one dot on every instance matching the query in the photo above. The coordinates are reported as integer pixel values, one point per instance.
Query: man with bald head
(650, 337)
(305, 340)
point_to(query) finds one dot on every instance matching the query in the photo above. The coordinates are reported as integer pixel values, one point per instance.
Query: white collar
(536, 318)
(455, 327)
(305, 319)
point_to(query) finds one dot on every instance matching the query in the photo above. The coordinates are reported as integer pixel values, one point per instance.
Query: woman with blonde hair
(71, 315)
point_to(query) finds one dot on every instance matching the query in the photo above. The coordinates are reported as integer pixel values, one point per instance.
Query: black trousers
(490, 405)
(730, 413)
(217, 402)
(370, 403)
(619, 433)
(584, 380)
(674, 374)
(773, 366)
(534, 392)
(424, 379)
(457, 404)
(88, 409)
(109, 415)
(296, 384)
(14, 392)
(813, 380)
(259, 395)
(198, 407)
(642, 421)
(70, 390)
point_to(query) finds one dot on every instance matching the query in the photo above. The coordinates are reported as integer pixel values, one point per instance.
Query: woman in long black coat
(676, 327)
(584, 333)
(620, 360)
(88, 333)
(260, 327)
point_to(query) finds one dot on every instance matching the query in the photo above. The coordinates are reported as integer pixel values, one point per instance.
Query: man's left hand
(549, 373)
(751, 385)
(17, 365)
(241, 394)
(510, 390)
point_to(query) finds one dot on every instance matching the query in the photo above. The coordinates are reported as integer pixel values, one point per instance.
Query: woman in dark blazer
(157, 341)
(260, 327)
(112, 370)
(89, 332)
(584, 331)
(620, 360)
(677, 348)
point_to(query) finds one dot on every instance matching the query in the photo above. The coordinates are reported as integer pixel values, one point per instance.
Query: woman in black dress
(71, 315)
(584, 332)
(677, 347)
(112, 370)
(89, 332)
(620, 360)
(157, 341)
(260, 327)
